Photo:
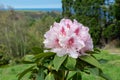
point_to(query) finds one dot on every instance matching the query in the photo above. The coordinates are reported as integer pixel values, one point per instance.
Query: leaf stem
(66, 74)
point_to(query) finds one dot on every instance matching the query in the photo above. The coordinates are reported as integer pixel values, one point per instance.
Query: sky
(32, 3)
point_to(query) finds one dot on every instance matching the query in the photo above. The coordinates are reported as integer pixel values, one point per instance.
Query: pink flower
(68, 38)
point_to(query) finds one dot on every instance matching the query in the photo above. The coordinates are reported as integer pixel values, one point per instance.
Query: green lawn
(110, 65)
(11, 73)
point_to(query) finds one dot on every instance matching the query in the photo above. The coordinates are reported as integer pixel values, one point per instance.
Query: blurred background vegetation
(20, 31)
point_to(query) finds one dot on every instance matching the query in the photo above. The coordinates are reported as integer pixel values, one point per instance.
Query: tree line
(20, 31)
(101, 16)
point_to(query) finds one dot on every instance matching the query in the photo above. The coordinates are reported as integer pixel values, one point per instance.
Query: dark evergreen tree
(117, 17)
(117, 9)
(87, 12)
(67, 8)
(101, 16)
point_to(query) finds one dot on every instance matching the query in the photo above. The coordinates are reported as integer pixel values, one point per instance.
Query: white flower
(67, 37)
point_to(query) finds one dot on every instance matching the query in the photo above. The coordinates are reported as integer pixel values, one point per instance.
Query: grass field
(110, 65)
(11, 73)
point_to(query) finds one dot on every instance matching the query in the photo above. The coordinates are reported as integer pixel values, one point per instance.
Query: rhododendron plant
(67, 37)
(66, 42)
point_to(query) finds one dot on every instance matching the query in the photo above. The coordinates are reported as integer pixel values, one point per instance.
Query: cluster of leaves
(48, 66)
(110, 32)
(4, 60)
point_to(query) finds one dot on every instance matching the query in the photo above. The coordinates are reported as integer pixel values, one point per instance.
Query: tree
(67, 8)
(117, 9)
(87, 12)
(117, 16)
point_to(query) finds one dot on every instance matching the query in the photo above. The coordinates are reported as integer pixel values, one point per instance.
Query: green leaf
(70, 63)
(91, 60)
(41, 74)
(58, 61)
(28, 59)
(71, 74)
(106, 77)
(50, 76)
(94, 71)
(37, 50)
(77, 76)
(47, 54)
(20, 75)
(96, 51)
(103, 61)
(59, 75)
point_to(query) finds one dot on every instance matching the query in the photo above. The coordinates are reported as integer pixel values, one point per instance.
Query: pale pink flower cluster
(67, 37)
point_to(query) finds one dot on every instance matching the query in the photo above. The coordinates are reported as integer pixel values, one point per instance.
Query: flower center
(68, 26)
(77, 31)
(70, 42)
(63, 31)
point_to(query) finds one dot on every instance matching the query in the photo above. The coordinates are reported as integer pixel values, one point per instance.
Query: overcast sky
(32, 3)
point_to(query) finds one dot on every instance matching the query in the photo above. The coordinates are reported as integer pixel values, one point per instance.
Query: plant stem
(66, 74)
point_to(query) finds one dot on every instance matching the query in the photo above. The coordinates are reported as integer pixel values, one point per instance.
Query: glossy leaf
(95, 51)
(94, 71)
(103, 61)
(20, 75)
(50, 76)
(71, 74)
(106, 77)
(58, 61)
(59, 75)
(77, 76)
(28, 59)
(43, 55)
(70, 63)
(37, 50)
(91, 60)
(41, 74)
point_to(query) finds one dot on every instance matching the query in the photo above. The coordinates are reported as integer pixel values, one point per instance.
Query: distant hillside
(40, 9)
